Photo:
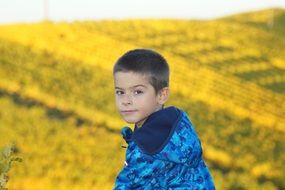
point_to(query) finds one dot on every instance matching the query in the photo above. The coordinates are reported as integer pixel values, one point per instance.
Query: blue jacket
(164, 153)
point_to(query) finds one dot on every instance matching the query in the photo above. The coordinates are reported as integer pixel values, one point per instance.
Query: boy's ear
(163, 95)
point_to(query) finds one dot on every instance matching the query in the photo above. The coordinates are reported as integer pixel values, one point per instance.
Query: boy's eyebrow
(139, 85)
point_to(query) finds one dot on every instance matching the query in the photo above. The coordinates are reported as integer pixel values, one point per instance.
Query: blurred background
(227, 62)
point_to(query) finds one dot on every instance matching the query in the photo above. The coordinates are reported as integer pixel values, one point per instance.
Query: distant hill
(57, 96)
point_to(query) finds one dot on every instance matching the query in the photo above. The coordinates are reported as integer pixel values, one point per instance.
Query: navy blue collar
(155, 132)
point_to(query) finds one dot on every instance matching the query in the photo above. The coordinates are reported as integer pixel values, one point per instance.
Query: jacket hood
(167, 134)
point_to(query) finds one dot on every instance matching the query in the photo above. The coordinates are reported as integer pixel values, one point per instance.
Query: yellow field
(57, 97)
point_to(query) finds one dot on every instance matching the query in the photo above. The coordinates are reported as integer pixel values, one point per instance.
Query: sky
(15, 11)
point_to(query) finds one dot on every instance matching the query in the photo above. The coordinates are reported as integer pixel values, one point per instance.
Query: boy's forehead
(129, 79)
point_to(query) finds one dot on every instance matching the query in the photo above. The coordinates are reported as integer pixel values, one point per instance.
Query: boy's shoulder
(158, 129)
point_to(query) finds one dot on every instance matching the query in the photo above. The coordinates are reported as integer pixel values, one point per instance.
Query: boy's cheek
(117, 99)
(117, 103)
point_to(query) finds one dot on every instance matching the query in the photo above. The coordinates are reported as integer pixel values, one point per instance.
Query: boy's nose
(127, 100)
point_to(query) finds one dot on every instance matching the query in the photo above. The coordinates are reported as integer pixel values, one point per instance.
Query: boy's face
(136, 98)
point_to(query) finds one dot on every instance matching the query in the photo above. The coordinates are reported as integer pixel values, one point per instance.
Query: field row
(243, 99)
(218, 158)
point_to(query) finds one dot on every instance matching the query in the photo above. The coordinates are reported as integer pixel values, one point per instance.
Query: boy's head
(145, 62)
(141, 83)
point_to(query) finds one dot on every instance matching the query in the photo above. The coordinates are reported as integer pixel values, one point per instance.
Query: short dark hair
(146, 62)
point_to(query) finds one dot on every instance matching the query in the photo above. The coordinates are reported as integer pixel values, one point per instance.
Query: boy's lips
(128, 111)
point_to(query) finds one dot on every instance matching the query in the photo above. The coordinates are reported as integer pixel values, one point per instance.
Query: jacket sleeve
(140, 171)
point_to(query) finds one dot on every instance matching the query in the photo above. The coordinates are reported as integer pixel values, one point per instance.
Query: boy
(164, 151)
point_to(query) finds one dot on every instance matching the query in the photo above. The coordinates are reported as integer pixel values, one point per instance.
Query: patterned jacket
(164, 153)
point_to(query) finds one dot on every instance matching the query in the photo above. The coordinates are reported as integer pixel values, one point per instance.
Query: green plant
(6, 160)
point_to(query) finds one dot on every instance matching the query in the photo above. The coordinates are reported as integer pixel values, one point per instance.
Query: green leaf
(6, 152)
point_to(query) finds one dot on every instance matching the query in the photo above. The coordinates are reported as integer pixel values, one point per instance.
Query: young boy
(164, 151)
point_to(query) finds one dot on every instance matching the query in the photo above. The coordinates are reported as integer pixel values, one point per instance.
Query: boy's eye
(138, 92)
(119, 92)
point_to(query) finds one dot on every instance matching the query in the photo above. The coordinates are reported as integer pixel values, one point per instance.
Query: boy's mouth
(128, 111)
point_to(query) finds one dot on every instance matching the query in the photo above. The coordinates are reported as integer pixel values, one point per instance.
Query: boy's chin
(130, 121)
(138, 123)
